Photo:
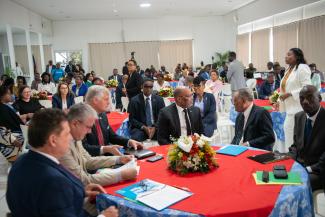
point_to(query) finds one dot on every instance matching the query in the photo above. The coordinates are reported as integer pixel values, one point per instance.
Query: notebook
(154, 194)
(232, 150)
(293, 179)
(269, 157)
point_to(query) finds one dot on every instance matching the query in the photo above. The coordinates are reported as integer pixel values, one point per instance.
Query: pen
(182, 188)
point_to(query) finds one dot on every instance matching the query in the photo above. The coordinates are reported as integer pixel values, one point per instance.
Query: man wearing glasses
(179, 118)
(144, 110)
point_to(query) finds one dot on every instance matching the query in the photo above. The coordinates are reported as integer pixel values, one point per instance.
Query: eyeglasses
(148, 86)
(130, 65)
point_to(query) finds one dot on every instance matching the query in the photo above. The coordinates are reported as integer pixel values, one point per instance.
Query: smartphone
(155, 158)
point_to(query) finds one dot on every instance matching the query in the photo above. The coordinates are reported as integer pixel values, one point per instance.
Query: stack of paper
(293, 179)
(154, 194)
(131, 164)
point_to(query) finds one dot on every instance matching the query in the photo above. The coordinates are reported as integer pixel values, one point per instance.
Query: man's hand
(126, 158)
(92, 190)
(146, 130)
(129, 173)
(110, 212)
(152, 131)
(112, 149)
(135, 144)
(245, 144)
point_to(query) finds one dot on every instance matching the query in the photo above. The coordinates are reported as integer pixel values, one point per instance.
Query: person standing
(235, 74)
(296, 76)
(133, 85)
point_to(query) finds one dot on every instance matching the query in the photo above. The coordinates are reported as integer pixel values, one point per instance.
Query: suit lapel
(153, 104)
(316, 126)
(205, 103)
(250, 118)
(176, 120)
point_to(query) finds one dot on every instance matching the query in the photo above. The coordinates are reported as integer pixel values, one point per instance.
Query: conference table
(229, 190)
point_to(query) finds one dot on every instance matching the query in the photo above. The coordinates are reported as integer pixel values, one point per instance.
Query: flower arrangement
(168, 77)
(274, 97)
(111, 83)
(42, 95)
(166, 92)
(191, 154)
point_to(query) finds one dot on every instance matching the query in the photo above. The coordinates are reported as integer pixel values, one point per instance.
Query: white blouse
(49, 87)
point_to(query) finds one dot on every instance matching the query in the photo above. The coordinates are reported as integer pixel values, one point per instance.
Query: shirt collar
(179, 109)
(52, 158)
(145, 97)
(313, 118)
(248, 110)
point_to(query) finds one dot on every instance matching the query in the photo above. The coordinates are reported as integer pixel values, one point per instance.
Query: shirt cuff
(248, 144)
(309, 169)
(101, 215)
(101, 152)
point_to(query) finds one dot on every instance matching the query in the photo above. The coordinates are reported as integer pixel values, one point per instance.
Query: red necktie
(99, 133)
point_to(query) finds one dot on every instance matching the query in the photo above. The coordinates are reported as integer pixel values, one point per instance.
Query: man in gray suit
(235, 73)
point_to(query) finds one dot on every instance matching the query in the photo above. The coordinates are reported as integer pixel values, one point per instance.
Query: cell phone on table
(155, 158)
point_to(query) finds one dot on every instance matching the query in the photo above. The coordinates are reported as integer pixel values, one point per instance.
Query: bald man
(309, 135)
(179, 118)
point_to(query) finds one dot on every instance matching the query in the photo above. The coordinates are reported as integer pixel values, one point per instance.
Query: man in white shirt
(179, 118)
(254, 125)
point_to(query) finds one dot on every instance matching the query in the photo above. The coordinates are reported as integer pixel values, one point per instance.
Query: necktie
(239, 129)
(99, 133)
(188, 123)
(308, 129)
(148, 112)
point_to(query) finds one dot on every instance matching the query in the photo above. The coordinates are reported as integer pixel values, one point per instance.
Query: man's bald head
(183, 97)
(310, 99)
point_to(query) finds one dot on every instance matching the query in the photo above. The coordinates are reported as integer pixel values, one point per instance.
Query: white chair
(125, 103)
(315, 193)
(24, 129)
(78, 99)
(251, 84)
(225, 98)
(46, 103)
(224, 124)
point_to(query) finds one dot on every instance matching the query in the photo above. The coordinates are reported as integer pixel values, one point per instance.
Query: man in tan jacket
(81, 118)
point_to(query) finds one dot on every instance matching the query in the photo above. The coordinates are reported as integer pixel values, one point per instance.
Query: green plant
(220, 58)
(9, 72)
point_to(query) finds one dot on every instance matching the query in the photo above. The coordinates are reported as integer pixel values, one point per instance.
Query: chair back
(46, 103)
(125, 103)
(24, 129)
(226, 89)
(79, 99)
(251, 83)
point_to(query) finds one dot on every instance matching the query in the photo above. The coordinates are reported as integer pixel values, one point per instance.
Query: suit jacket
(296, 81)
(119, 78)
(137, 110)
(91, 143)
(133, 85)
(70, 69)
(78, 161)
(209, 118)
(309, 154)
(235, 75)
(82, 90)
(258, 130)
(266, 89)
(57, 101)
(118, 95)
(37, 186)
(169, 123)
(9, 118)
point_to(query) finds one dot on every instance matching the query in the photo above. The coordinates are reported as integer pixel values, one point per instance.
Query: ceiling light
(145, 5)
(115, 11)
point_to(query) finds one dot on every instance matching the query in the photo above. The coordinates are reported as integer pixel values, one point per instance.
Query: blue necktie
(148, 112)
(307, 133)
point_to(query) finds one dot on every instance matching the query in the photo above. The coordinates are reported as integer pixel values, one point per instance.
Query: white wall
(209, 34)
(264, 8)
(4, 45)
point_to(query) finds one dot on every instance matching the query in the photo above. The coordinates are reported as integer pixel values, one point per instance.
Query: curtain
(104, 57)
(173, 52)
(37, 57)
(47, 49)
(260, 48)
(242, 48)
(146, 53)
(311, 39)
(284, 38)
(22, 58)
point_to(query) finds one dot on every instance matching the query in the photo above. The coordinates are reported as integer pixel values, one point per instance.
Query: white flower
(185, 143)
(200, 143)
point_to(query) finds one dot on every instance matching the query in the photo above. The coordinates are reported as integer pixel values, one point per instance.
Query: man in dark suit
(253, 124)
(144, 110)
(49, 67)
(115, 76)
(268, 87)
(70, 68)
(309, 134)
(98, 141)
(37, 184)
(179, 118)
(133, 86)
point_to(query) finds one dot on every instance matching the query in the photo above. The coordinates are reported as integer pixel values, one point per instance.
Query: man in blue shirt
(57, 73)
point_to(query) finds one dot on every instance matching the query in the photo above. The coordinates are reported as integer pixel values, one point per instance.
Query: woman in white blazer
(296, 76)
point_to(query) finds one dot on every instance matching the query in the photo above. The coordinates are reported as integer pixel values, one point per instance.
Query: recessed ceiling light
(145, 5)
(115, 11)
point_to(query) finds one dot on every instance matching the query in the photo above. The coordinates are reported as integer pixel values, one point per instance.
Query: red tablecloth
(229, 190)
(116, 119)
(323, 85)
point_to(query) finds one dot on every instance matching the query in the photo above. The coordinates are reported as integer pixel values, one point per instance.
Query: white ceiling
(104, 9)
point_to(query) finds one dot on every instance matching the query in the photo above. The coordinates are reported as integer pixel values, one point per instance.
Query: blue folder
(232, 150)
